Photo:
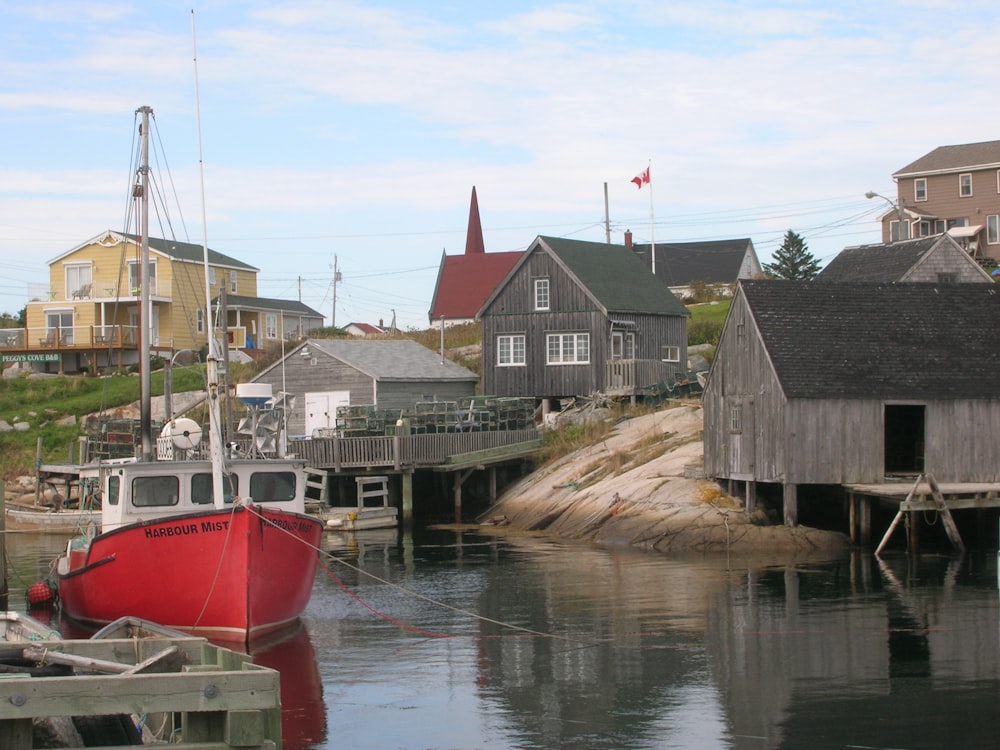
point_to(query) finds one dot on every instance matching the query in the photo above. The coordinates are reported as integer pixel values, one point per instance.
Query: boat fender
(41, 594)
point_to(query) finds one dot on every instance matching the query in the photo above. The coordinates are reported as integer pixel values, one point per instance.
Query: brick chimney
(628, 238)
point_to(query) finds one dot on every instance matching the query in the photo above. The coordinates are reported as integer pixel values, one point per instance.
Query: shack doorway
(904, 438)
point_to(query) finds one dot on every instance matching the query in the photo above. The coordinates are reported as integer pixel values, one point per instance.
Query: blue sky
(358, 129)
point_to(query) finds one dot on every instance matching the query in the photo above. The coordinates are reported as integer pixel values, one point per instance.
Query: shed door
(904, 438)
(740, 413)
(321, 409)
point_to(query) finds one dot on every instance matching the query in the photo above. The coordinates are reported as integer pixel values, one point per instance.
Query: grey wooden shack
(572, 318)
(937, 259)
(388, 374)
(843, 383)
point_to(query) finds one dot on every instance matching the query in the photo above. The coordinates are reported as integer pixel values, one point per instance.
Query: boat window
(155, 491)
(201, 488)
(114, 483)
(272, 486)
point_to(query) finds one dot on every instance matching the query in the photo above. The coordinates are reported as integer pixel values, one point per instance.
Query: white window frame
(567, 349)
(211, 277)
(134, 279)
(993, 229)
(77, 276)
(232, 282)
(271, 325)
(920, 189)
(542, 298)
(670, 353)
(965, 181)
(998, 182)
(511, 350)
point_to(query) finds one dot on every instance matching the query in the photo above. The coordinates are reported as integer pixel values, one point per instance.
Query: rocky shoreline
(643, 487)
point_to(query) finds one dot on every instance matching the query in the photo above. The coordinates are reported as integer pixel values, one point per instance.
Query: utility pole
(336, 278)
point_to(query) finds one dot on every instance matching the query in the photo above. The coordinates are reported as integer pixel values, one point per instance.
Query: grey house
(935, 259)
(715, 263)
(323, 374)
(573, 318)
(842, 383)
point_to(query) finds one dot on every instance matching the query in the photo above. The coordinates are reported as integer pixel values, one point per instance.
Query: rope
(218, 569)
(414, 594)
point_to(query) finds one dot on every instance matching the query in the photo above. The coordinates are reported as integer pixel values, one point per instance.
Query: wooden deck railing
(409, 451)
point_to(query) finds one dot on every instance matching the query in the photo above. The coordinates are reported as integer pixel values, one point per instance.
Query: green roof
(186, 251)
(617, 278)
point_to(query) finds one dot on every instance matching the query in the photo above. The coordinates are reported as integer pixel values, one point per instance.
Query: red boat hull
(231, 575)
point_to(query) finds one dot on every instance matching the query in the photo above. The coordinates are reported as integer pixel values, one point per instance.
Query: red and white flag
(642, 178)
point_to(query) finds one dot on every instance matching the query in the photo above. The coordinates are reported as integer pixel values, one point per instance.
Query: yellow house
(90, 318)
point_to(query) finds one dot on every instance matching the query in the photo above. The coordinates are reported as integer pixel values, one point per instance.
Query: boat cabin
(144, 491)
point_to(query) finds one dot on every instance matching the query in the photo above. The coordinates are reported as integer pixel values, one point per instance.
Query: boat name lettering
(207, 526)
(281, 523)
(191, 528)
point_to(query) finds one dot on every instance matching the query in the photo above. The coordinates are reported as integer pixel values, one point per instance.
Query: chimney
(381, 324)
(628, 238)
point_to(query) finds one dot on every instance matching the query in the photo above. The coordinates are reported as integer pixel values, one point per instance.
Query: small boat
(18, 628)
(216, 547)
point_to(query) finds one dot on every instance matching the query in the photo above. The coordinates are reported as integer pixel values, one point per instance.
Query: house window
(211, 276)
(510, 350)
(736, 419)
(622, 345)
(993, 229)
(199, 320)
(541, 294)
(894, 230)
(947, 277)
(271, 326)
(920, 189)
(232, 282)
(567, 348)
(965, 185)
(134, 280)
(924, 229)
(78, 280)
(670, 353)
(998, 181)
(939, 226)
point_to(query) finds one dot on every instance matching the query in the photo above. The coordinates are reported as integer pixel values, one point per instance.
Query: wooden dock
(920, 494)
(205, 697)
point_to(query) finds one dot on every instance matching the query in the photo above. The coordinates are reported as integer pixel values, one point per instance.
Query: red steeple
(474, 234)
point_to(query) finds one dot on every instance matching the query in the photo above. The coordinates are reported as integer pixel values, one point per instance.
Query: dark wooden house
(386, 374)
(843, 383)
(938, 259)
(682, 266)
(573, 318)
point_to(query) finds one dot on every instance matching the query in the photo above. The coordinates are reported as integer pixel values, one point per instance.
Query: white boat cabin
(133, 492)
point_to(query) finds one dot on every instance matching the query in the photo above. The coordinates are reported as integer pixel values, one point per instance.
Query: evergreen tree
(793, 260)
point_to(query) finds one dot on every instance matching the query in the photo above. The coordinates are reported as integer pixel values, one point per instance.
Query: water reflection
(473, 640)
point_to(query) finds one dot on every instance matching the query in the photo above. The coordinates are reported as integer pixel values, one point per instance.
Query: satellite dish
(253, 394)
(184, 433)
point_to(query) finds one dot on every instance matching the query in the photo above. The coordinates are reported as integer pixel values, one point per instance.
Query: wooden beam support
(790, 503)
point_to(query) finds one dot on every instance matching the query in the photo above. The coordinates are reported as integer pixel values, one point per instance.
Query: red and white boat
(220, 547)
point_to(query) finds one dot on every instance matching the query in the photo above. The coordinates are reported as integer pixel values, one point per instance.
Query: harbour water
(465, 639)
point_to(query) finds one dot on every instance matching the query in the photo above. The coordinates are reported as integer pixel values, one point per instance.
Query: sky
(352, 133)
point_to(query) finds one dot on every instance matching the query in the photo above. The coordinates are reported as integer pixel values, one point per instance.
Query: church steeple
(474, 235)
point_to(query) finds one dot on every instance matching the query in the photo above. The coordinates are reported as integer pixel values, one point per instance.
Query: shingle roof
(392, 360)
(265, 303)
(190, 252)
(951, 158)
(616, 276)
(713, 262)
(905, 341)
(877, 262)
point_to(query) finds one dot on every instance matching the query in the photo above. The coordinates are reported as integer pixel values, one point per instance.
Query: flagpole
(652, 235)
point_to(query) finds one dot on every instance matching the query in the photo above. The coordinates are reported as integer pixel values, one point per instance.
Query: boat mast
(141, 191)
(212, 361)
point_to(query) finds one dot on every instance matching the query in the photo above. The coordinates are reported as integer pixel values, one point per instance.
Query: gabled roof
(366, 329)
(877, 262)
(954, 158)
(389, 359)
(292, 307)
(614, 276)
(881, 341)
(712, 261)
(180, 251)
(465, 281)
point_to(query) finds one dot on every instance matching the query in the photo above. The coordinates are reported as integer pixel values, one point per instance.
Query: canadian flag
(642, 178)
